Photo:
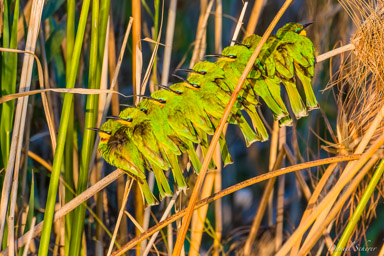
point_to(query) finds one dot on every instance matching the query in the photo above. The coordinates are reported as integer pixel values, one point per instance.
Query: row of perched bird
(174, 119)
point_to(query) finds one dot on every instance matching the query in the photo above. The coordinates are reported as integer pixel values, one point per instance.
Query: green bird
(159, 131)
(214, 73)
(174, 112)
(234, 60)
(211, 72)
(118, 149)
(285, 70)
(141, 132)
(216, 99)
(213, 107)
(278, 65)
(293, 38)
(197, 115)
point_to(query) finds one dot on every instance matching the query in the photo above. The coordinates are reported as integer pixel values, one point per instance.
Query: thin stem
(359, 209)
(165, 214)
(324, 205)
(116, 174)
(128, 186)
(232, 189)
(337, 51)
(212, 146)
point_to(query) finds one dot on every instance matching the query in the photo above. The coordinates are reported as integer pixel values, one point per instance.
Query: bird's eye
(128, 119)
(195, 85)
(106, 132)
(297, 30)
(178, 92)
(162, 100)
(202, 72)
(231, 56)
(144, 110)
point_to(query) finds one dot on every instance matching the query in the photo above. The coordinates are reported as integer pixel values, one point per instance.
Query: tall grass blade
(8, 79)
(69, 143)
(359, 209)
(58, 160)
(99, 28)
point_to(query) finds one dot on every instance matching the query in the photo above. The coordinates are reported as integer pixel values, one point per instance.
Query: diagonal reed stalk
(359, 209)
(263, 204)
(232, 189)
(218, 172)
(77, 197)
(116, 174)
(204, 168)
(354, 183)
(128, 186)
(326, 203)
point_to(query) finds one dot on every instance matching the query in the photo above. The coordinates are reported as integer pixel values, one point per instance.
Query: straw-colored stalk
(116, 174)
(217, 157)
(211, 182)
(258, 6)
(232, 189)
(203, 172)
(201, 30)
(200, 215)
(199, 49)
(136, 73)
(169, 41)
(321, 211)
(12, 169)
(77, 200)
(128, 186)
(262, 206)
(280, 195)
(354, 183)
(169, 37)
(360, 118)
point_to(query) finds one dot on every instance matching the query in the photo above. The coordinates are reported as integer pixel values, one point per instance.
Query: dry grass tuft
(361, 100)
(362, 78)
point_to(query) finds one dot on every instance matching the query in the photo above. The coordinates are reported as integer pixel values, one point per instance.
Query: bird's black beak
(189, 70)
(163, 87)
(307, 25)
(186, 81)
(94, 129)
(112, 117)
(153, 99)
(237, 42)
(168, 89)
(214, 55)
(98, 130)
(127, 105)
